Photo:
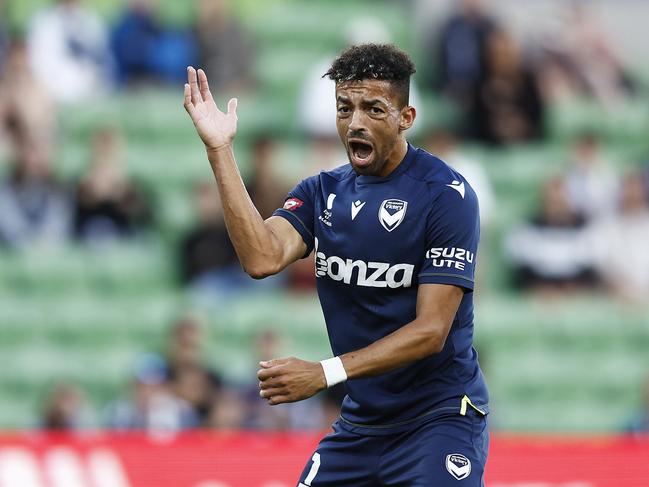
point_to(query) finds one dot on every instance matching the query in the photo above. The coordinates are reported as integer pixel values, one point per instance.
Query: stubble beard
(372, 170)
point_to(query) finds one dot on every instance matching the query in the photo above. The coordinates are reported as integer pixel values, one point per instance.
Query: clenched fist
(290, 380)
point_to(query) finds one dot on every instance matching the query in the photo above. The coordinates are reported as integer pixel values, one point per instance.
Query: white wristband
(334, 371)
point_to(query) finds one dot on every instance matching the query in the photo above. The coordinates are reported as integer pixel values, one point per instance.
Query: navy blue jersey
(375, 240)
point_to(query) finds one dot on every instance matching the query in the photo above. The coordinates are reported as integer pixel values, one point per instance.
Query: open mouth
(361, 152)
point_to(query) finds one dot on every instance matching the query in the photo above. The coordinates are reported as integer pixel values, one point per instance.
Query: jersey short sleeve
(452, 234)
(298, 209)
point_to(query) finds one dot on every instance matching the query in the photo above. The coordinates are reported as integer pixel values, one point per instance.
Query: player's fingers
(267, 364)
(273, 401)
(270, 383)
(270, 393)
(232, 106)
(193, 84)
(189, 106)
(265, 374)
(204, 86)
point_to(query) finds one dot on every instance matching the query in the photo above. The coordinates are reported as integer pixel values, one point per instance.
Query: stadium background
(85, 319)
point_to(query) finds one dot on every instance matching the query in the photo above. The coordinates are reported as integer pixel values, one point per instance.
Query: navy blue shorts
(447, 451)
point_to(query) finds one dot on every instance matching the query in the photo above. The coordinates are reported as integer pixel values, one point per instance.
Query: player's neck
(396, 157)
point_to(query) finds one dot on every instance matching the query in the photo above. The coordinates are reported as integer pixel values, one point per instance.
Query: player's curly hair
(375, 61)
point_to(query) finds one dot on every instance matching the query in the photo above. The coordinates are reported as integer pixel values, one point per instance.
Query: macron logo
(356, 207)
(457, 186)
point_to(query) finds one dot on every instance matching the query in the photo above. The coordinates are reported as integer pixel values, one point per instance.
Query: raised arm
(264, 247)
(291, 379)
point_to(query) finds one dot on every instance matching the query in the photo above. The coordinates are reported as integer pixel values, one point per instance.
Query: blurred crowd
(588, 234)
(500, 85)
(176, 389)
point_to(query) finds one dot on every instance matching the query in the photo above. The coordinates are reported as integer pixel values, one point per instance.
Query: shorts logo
(391, 213)
(292, 204)
(458, 466)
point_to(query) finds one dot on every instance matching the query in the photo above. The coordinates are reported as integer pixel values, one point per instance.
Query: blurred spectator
(592, 185)
(644, 174)
(317, 103)
(206, 253)
(228, 411)
(579, 58)
(146, 51)
(4, 35)
(134, 40)
(108, 204)
(187, 375)
(267, 345)
(622, 242)
(34, 207)
(445, 145)
(198, 387)
(317, 106)
(552, 254)
(65, 408)
(69, 51)
(332, 400)
(639, 423)
(150, 405)
(301, 275)
(185, 346)
(323, 152)
(307, 414)
(458, 50)
(506, 106)
(264, 188)
(208, 262)
(26, 109)
(225, 48)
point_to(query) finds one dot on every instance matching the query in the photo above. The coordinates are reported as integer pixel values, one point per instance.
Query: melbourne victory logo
(458, 466)
(391, 213)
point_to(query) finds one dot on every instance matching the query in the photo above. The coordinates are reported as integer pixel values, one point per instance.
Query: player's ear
(407, 117)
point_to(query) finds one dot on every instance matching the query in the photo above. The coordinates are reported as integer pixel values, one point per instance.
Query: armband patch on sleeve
(292, 204)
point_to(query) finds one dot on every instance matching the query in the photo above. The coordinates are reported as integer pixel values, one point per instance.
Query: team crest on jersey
(391, 213)
(458, 466)
(292, 204)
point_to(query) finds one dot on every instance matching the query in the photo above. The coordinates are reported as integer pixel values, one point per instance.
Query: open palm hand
(215, 128)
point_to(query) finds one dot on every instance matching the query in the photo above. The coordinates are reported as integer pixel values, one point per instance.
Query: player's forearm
(414, 341)
(257, 248)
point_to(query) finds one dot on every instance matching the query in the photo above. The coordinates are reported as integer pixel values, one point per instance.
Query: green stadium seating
(84, 314)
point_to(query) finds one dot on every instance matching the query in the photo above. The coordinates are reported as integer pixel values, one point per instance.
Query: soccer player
(395, 233)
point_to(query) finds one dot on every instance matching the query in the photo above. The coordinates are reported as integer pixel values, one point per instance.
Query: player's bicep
(452, 235)
(290, 243)
(437, 305)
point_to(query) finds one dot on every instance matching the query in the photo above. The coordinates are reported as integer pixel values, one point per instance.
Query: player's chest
(373, 221)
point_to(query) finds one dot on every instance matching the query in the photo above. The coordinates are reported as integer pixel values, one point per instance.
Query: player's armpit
(437, 305)
(288, 244)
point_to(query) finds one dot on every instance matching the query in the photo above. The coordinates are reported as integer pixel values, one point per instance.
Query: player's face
(370, 122)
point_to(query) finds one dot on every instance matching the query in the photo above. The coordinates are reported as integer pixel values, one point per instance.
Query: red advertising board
(254, 459)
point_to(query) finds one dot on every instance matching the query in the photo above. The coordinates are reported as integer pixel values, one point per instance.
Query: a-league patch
(458, 466)
(293, 204)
